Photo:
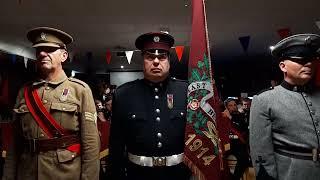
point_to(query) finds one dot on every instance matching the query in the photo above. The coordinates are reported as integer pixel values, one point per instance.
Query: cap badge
(307, 40)
(43, 36)
(156, 39)
(64, 95)
(170, 100)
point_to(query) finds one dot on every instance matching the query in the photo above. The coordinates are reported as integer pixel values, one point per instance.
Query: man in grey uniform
(284, 120)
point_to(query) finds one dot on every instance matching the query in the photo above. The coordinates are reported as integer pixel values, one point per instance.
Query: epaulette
(128, 84)
(264, 90)
(181, 80)
(78, 81)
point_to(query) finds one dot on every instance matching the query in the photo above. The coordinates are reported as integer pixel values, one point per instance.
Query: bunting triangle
(179, 51)
(284, 32)
(318, 24)
(244, 40)
(108, 56)
(129, 56)
(25, 60)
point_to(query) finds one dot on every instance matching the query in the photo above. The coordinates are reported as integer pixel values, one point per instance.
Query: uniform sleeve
(10, 166)
(262, 152)
(90, 143)
(117, 142)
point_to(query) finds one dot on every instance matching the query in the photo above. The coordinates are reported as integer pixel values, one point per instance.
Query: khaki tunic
(75, 112)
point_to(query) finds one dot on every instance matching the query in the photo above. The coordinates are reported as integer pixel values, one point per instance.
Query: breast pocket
(178, 121)
(178, 114)
(137, 125)
(66, 115)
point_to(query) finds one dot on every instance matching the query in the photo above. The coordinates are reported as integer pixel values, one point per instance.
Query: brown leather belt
(42, 145)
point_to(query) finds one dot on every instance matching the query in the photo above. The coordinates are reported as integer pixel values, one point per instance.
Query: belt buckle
(159, 161)
(315, 154)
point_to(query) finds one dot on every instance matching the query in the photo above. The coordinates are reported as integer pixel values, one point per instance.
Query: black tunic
(145, 124)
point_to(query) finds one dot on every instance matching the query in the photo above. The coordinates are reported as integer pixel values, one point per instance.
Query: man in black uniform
(149, 116)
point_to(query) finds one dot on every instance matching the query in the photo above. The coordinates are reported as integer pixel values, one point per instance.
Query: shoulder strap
(43, 118)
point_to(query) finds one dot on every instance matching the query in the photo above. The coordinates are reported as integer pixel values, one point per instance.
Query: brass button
(159, 144)
(309, 103)
(133, 116)
(63, 108)
(158, 111)
(72, 155)
(159, 135)
(156, 97)
(45, 101)
(47, 88)
(156, 90)
(158, 119)
(181, 113)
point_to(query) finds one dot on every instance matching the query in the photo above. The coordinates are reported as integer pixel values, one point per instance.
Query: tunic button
(41, 135)
(156, 97)
(159, 135)
(72, 155)
(158, 119)
(309, 103)
(181, 113)
(304, 95)
(64, 108)
(133, 116)
(159, 144)
(45, 101)
(318, 131)
(156, 90)
(312, 112)
(158, 111)
(47, 88)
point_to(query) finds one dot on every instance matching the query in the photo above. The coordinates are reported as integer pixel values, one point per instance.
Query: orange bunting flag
(108, 56)
(203, 143)
(179, 51)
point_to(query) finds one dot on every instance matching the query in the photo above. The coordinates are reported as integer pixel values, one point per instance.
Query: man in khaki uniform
(42, 154)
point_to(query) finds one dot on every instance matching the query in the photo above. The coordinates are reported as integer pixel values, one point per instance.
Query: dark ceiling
(98, 25)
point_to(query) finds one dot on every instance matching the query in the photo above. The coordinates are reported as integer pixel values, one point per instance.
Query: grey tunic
(289, 118)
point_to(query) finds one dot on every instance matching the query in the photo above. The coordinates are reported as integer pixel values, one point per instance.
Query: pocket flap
(65, 155)
(137, 116)
(177, 114)
(64, 107)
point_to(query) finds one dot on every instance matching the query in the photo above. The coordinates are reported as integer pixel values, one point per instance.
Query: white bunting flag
(129, 56)
(318, 24)
(25, 59)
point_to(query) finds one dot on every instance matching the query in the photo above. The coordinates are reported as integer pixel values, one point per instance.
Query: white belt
(156, 161)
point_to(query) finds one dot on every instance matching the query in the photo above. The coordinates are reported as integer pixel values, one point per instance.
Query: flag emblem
(194, 104)
(170, 100)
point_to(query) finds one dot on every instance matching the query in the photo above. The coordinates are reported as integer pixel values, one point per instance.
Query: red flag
(203, 147)
(284, 32)
(179, 51)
